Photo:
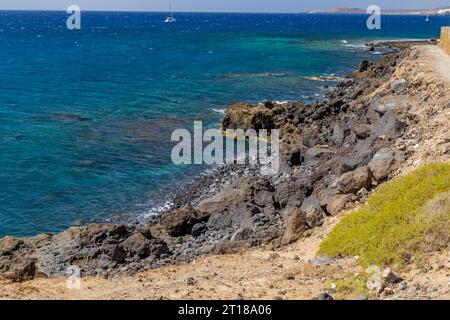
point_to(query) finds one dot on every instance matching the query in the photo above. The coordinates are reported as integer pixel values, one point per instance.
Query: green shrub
(404, 219)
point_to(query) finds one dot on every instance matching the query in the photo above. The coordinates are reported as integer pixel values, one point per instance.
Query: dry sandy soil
(291, 272)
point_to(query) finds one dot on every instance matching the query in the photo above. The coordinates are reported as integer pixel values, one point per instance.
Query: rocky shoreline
(335, 151)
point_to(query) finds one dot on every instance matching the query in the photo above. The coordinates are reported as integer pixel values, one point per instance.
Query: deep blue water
(86, 116)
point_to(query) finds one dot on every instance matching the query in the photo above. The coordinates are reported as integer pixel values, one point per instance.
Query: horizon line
(320, 11)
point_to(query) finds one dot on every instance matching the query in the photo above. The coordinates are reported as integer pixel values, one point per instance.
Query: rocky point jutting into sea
(335, 152)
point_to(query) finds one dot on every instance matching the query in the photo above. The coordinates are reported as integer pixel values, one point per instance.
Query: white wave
(155, 211)
(282, 102)
(221, 111)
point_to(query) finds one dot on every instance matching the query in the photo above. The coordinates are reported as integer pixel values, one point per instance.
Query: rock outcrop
(334, 152)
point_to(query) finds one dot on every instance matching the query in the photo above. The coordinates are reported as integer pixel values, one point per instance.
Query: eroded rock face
(332, 150)
(96, 249)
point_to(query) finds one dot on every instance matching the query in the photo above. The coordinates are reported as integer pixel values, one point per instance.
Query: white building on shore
(444, 11)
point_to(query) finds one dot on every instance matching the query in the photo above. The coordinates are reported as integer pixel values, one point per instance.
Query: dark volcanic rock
(241, 215)
(340, 132)
(137, 245)
(355, 160)
(23, 271)
(384, 162)
(295, 157)
(198, 229)
(364, 65)
(314, 214)
(180, 222)
(96, 249)
(290, 193)
(243, 191)
(389, 125)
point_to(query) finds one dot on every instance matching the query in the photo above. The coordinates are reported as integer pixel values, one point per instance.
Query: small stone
(390, 277)
(325, 296)
(198, 229)
(388, 291)
(190, 281)
(289, 276)
(399, 85)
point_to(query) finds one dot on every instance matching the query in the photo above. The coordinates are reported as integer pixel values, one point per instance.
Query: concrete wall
(445, 39)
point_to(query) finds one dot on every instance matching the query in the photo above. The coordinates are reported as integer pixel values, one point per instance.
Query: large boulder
(353, 181)
(337, 203)
(390, 103)
(399, 85)
(290, 193)
(247, 116)
(362, 131)
(243, 191)
(137, 245)
(234, 217)
(389, 126)
(355, 160)
(23, 270)
(315, 154)
(180, 222)
(314, 214)
(365, 65)
(384, 162)
(340, 133)
(295, 225)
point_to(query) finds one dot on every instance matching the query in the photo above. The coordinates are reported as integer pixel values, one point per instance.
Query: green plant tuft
(403, 220)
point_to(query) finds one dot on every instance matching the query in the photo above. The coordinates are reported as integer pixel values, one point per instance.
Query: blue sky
(218, 5)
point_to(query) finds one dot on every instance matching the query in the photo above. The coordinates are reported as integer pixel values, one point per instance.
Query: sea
(86, 116)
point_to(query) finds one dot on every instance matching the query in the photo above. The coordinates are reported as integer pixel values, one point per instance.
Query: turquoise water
(86, 116)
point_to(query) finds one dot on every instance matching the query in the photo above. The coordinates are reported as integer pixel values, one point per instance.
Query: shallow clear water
(86, 116)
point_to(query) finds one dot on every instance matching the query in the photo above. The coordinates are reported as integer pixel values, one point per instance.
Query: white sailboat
(427, 19)
(171, 18)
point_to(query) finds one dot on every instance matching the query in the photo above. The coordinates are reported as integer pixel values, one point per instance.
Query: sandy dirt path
(437, 60)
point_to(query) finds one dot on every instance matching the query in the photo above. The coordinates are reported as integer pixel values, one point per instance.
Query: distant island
(345, 10)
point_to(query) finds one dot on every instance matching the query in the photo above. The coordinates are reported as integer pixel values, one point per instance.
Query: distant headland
(345, 10)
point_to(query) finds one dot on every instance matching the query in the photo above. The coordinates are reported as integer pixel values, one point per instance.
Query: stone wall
(445, 39)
